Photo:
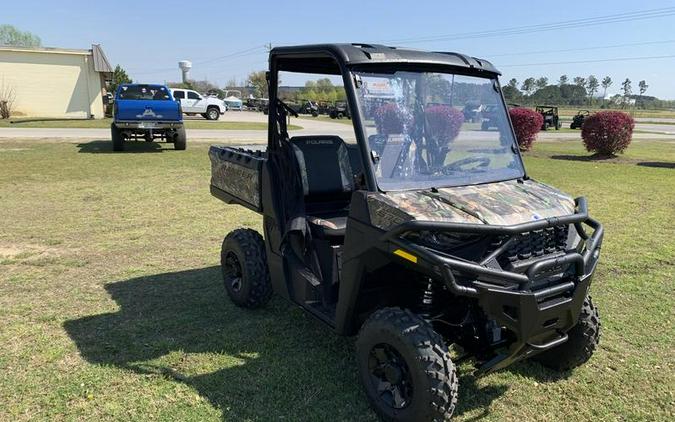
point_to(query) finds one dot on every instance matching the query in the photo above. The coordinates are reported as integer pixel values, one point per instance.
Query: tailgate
(159, 110)
(236, 175)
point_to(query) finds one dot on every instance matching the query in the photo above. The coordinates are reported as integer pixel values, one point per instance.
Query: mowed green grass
(105, 123)
(112, 308)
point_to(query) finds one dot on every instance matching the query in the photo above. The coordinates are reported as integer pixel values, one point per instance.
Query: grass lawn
(112, 308)
(105, 123)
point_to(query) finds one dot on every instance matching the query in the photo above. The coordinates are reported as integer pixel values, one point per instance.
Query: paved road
(310, 127)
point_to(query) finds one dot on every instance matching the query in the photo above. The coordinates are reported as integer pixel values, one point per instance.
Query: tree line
(578, 92)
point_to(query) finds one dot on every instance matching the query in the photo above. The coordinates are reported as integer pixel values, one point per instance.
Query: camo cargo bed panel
(237, 172)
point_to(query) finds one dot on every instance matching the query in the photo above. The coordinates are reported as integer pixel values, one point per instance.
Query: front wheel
(405, 367)
(579, 347)
(213, 113)
(243, 261)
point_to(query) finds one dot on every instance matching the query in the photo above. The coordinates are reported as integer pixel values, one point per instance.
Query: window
(321, 99)
(178, 95)
(193, 96)
(437, 130)
(143, 92)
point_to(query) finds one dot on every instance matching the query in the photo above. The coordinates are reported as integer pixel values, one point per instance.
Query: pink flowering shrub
(526, 123)
(607, 132)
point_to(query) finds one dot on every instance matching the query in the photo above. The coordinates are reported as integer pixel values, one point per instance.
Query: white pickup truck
(193, 103)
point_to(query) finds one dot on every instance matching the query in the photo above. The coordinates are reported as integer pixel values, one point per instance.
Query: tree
(579, 81)
(627, 90)
(232, 83)
(562, 80)
(513, 83)
(10, 35)
(606, 83)
(7, 97)
(528, 86)
(511, 93)
(258, 81)
(592, 86)
(541, 82)
(643, 88)
(119, 77)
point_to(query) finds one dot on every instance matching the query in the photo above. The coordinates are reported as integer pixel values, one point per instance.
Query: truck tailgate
(147, 110)
(236, 175)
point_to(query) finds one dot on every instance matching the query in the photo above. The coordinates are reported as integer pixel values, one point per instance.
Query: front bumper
(538, 315)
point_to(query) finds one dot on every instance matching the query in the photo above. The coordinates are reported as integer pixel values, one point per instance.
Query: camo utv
(421, 234)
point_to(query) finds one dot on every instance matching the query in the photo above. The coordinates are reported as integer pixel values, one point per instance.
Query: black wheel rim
(233, 274)
(390, 376)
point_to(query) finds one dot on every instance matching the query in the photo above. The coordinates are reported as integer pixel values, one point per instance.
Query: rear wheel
(405, 367)
(579, 347)
(244, 265)
(117, 139)
(212, 113)
(180, 142)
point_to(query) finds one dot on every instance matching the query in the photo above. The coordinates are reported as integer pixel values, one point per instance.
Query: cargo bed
(236, 175)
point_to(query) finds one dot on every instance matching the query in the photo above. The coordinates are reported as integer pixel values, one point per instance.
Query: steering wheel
(480, 162)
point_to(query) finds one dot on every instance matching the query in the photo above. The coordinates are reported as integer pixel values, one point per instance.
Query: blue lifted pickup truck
(148, 112)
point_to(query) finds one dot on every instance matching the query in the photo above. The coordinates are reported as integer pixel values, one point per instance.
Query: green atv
(422, 234)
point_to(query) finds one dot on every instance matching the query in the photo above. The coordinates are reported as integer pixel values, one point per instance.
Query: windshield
(144, 92)
(436, 130)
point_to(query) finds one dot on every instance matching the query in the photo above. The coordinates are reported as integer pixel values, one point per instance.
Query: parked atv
(550, 115)
(420, 234)
(339, 110)
(578, 119)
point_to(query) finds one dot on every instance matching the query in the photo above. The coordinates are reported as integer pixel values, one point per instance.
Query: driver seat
(327, 181)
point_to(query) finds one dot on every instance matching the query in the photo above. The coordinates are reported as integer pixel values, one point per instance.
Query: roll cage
(344, 60)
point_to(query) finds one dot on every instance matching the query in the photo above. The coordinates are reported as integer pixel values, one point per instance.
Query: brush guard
(539, 319)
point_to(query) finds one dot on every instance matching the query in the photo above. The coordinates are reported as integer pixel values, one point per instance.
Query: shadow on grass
(272, 363)
(588, 158)
(105, 147)
(657, 164)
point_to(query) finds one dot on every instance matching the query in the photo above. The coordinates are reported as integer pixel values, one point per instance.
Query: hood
(502, 203)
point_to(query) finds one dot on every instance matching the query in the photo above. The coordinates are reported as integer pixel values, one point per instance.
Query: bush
(607, 132)
(390, 119)
(526, 123)
(444, 122)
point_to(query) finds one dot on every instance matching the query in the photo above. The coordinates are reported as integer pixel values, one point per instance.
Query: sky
(227, 39)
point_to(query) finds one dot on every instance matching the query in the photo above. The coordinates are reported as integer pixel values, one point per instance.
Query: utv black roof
(308, 58)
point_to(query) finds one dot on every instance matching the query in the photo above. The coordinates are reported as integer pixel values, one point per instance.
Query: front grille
(533, 244)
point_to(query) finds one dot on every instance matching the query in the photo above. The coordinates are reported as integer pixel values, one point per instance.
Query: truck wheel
(243, 262)
(117, 140)
(583, 340)
(212, 113)
(181, 139)
(405, 367)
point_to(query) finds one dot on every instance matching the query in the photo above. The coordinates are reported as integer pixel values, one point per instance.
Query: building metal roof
(101, 63)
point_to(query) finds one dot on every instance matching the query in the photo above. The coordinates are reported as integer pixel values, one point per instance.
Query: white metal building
(55, 82)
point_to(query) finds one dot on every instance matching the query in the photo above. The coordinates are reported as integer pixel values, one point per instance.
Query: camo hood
(502, 203)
